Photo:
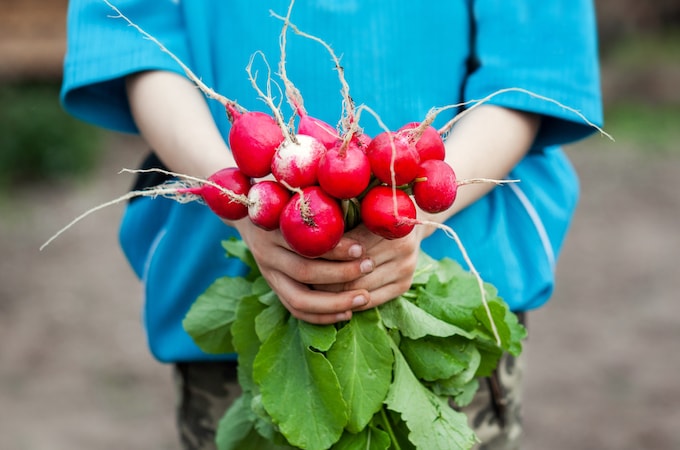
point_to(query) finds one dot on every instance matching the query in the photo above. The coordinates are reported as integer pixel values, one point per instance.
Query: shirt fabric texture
(401, 59)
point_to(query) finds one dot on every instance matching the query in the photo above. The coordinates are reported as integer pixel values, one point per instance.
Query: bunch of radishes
(317, 181)
(315, 184)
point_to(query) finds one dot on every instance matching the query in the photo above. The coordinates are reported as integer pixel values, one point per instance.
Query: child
(401, 59)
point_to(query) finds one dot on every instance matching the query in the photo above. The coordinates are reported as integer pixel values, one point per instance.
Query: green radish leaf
(265, 426)
(454, 301)
(517, 332)
(245, 340)
(391, 422)
(452, 386)
(425, 268)
(262, 290)
(237, 248)
(434, 358)
(210, 317)
(414, 322)
(498, 314)
(421, 409)
(466, 393)
(448, 270)
(490, 354)
(370, 438)
(235, 426)
(362, 360)
(238, 429)
(299, 388)
(318, 337)
(273, 317)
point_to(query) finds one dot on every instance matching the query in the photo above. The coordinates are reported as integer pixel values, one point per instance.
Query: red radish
(318, 129)
(435, 187)
(296, 161)
(430, 144)
(266, 200)
(231, 205)
(253, 138)
(344, 172)
(311, 223)
(361, 140)
(378, 212)
(381, 153)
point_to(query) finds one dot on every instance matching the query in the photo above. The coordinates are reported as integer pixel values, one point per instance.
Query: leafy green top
(382, 380)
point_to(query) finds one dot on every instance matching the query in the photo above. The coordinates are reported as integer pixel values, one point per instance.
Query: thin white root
(348, 103)
(292, 92)
(484, 180)
(172, 174)
(170, 190)
(297, 190)
(267, 96)
(480, 283)
(240, 198)
(475, 103)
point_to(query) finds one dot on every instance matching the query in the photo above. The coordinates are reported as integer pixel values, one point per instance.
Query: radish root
(292, 92)
(349, 120)
(480, 283)
(162, 190)
(476, 103)
(267, 96)
(173, 189)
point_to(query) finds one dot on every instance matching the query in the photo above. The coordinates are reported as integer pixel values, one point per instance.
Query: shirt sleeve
(546, 47)
(102, 49)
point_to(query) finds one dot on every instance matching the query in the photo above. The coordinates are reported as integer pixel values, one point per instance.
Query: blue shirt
(400, 58)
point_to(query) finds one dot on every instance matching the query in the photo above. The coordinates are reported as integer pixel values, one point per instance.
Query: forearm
(174, 119)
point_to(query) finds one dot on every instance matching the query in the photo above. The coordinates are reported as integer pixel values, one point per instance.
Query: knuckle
(301, 271)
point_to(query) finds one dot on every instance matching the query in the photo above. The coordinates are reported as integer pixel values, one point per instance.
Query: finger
(323, 319)
(397, 271)
(347, 249)
(403, 251)
(384, 294)
(320, 271)
(366, 238)
(303, 301)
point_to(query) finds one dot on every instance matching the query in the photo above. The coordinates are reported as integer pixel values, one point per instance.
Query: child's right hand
(292, 276)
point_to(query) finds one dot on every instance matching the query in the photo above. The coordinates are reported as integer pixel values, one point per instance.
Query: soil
(602, 370)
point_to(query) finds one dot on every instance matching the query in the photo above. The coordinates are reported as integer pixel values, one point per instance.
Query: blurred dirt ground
(603, 357)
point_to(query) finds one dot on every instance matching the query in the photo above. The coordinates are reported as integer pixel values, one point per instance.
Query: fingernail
(359, 300)
(366, 266)
(355, 251)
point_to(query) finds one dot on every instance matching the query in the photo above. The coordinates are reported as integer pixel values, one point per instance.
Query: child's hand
(292, 276)
(394, 265)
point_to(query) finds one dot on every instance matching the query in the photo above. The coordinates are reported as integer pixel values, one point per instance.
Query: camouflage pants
(205, 391)
(495, 411)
